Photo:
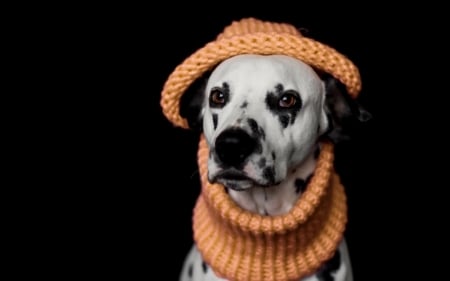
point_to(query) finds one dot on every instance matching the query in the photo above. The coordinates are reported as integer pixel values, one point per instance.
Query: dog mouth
(236, 180)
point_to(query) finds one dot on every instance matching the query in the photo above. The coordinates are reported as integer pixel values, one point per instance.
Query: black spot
(258, 148)
(190, 270)
(284, 120)
(265, 212)
(269, 174)
(279, 88)
(204, 266)
(317, 152)
(285, 115)
(334, 263)
(253, 125)
(300, 185)
(324, 274)
(226, 87)
(226, 189)
(214, 118)
(262, 162)
(258, 132)
(274, 156)
(244, 104)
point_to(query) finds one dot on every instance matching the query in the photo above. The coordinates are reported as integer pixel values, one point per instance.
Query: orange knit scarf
(240, 245)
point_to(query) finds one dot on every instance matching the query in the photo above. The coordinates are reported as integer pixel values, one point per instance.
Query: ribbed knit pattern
(244, 246)
(253, 36)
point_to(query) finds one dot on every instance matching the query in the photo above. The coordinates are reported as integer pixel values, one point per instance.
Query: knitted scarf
(240, 245)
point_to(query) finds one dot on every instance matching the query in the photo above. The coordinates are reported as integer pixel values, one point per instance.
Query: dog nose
(233, 146)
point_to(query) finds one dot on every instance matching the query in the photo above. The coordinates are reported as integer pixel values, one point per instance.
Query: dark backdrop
(143, 170)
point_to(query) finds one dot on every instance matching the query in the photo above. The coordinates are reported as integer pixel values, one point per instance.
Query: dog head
(263, 115)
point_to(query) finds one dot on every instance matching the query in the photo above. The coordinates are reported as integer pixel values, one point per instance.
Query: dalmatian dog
(263, 117)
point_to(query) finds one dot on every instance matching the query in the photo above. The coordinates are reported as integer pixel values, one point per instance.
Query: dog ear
(192, 103)
(345, 115)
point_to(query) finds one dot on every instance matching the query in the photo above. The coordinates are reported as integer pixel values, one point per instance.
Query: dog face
(262, 116)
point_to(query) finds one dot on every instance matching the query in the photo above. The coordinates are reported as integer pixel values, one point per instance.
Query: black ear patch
(191, 103)
(345, 114)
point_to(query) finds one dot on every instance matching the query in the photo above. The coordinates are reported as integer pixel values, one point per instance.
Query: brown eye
(287, 101)
(217, 98)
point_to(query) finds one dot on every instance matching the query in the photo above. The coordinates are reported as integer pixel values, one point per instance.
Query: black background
(139, 172)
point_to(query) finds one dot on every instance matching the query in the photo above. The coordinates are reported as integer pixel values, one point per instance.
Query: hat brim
(314, 53)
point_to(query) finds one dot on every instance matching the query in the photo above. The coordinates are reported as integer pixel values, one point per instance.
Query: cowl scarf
(241, 245)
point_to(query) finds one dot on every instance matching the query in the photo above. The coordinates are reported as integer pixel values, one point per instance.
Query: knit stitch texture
(244, 246)
(253, 36)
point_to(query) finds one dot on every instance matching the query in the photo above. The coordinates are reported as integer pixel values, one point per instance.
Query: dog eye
(287, 101)
(217, 98)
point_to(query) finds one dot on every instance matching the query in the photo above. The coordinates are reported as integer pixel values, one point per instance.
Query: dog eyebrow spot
(214, 118)
(244, 104)
(279, 88)
(226, 87)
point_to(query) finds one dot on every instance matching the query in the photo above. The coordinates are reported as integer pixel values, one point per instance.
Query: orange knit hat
(253, 36)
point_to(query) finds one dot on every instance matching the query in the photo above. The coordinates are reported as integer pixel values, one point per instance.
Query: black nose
(233, 146)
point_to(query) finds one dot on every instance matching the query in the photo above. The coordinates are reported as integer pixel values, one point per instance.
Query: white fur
(250, 77)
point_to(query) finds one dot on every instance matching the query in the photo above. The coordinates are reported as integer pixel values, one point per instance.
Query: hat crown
(252, 25)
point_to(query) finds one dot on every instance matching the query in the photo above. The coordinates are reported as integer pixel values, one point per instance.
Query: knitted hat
(253, 36)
